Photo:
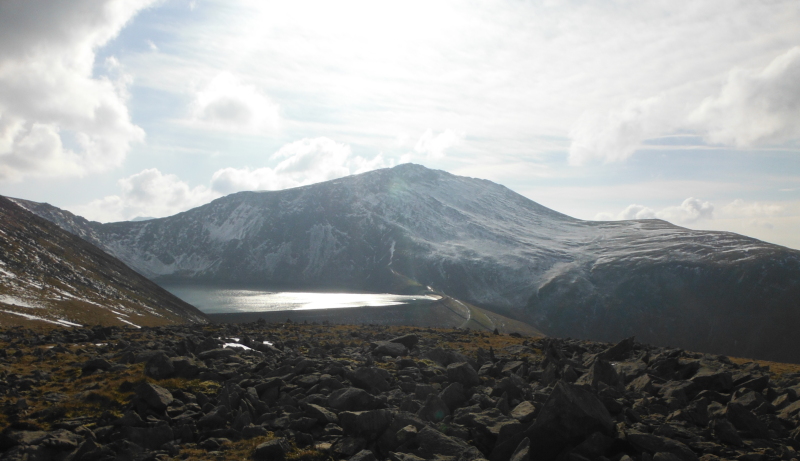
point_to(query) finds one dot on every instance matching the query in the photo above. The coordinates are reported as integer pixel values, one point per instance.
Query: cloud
(227, 104)
(637, 212)
(56, 117)
(690, 211)
(149, 193)
(755, 106)
(435, 147)
(615, 136)
(302, 162)
(751, 209)
(152, 193)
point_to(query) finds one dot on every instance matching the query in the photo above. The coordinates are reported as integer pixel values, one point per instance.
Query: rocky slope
(408, 228)
(321, 392)
(49, 276)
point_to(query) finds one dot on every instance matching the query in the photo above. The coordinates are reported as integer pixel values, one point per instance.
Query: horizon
(626, 110)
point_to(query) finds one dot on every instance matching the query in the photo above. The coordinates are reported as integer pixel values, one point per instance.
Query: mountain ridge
(50, 276)
(408, 228)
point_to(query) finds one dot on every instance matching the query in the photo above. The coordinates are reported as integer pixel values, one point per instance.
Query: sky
(687, 111)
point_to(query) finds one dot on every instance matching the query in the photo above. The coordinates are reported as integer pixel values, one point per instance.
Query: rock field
(275, 391)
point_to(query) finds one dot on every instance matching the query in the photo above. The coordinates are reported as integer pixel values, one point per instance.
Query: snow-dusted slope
(49, 276)
(406, 227)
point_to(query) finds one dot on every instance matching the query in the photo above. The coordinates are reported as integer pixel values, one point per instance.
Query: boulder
(524, 412)
(434, 409)
(368, 424)
(619, 351)
(363, 455)
(463, 373)
(569, 415)
(389, 348)
(432, 442)
(453, 396)
(159, 367)
(600, 372)
(321, 414)
(272, 450)
(372, 379)
(409, 341)
(351, 399)
(657, 444)
(745, 420)
(154, 396)
(713, 380)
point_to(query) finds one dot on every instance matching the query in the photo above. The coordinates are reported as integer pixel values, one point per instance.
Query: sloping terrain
(51, 277)
(408, 228)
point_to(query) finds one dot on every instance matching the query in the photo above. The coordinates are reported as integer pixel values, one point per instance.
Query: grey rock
(409, 341)
(159, 367)
(432, 442)
(524, 412)
(351, 399)
(321, 414)
(369, 424)
(600, 371)
(217, 353)
(434, 409)
(453, 396)
(272, 450)
(363, 455)
(154, 396)
(522, 452)
(713, 380)
(569, 415)
(463, 373)
(372, 379)
(655, 444)
(745, 420)
(725, 432)
(392, 349)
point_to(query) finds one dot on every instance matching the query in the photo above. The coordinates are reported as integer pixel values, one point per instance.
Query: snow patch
(60, 322)
(129, 323)
(6, 299)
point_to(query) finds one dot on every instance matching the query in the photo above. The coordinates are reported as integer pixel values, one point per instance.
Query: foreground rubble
(318, 392)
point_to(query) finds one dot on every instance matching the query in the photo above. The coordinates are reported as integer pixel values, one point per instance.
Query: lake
(214, 300)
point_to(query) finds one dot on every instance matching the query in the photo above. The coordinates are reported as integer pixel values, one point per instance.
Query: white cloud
(751, 209)
(615, 136)
(149, 193)
(57, 118)
(302, 162)
(229, 105)
(154, 194)
(755, 106)
(637, 212)
(435, 147)
(690, 211)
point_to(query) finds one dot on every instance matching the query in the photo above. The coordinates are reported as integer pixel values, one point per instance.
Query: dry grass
(778, 369)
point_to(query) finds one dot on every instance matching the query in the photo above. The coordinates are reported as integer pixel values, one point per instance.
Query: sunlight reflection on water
(219, 300)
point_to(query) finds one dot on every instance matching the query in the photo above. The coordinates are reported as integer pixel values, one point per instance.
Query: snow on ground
(60, 322)
(129, 323)
(6, 299)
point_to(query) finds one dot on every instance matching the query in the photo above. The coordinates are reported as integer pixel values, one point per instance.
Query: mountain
(49, 276)
(408, 228)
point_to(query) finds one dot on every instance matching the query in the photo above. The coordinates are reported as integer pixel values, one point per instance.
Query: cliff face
(49, 276)
(407, 228)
